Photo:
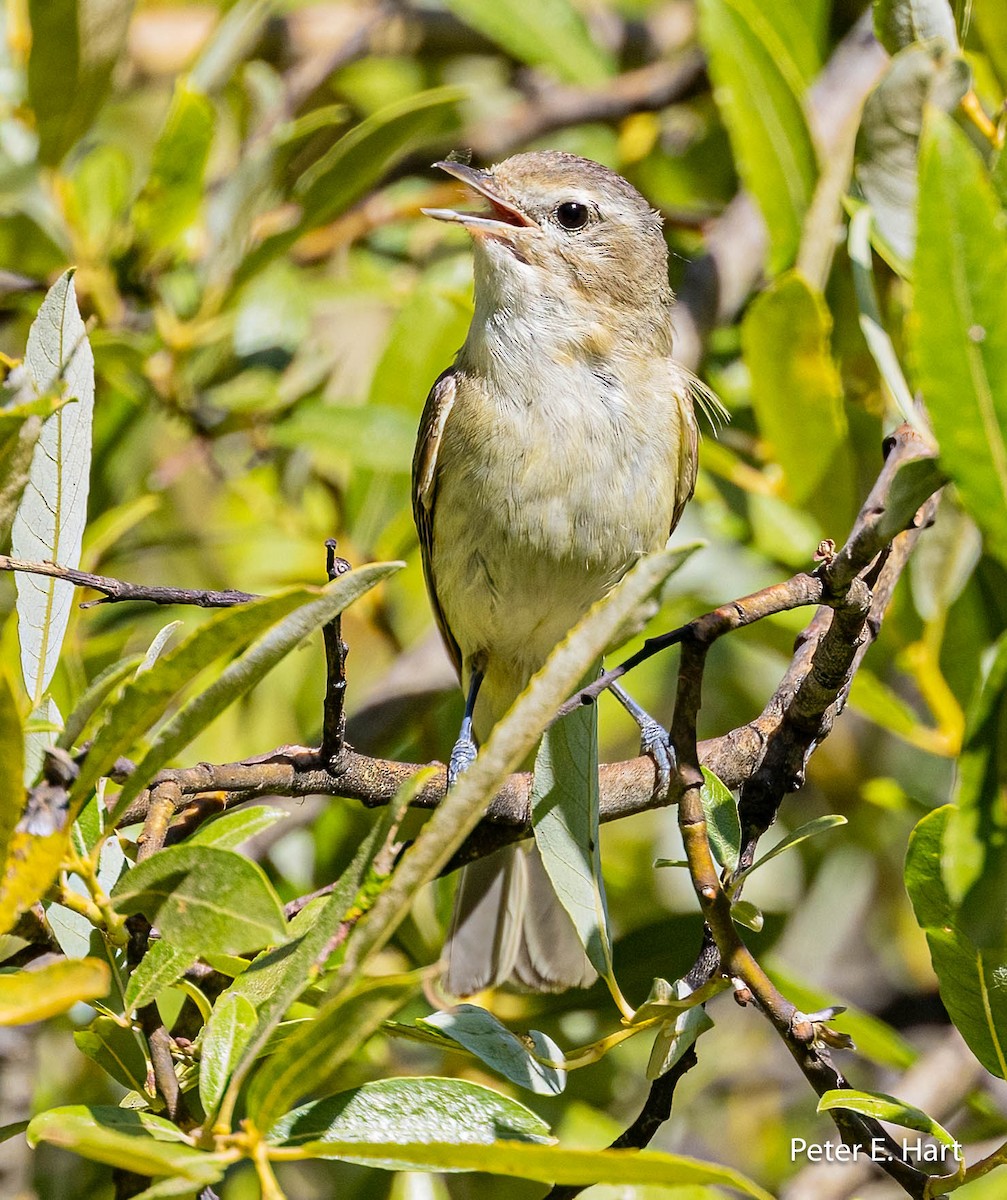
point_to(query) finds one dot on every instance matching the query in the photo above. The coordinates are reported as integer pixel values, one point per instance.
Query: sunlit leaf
(899, 23)
(758, 89)
(547, 1164)
(542, 33)
(49, 525)
(143, 701)
(517, 1058)
(202, 898)
(34, 995)
(418, 1110)
(275, 979)
(970, 979)
(564, 806)
(887, 1108)
(75, 45)
(140, 1142)
(888, 140)
(809, 830)
(723, 826)
(231, 829)
(173, 193)
(674, 1038)
(785, 336)
(247, 670)
(159, 968)
(225, 1036)
(117, 1050)
(310, 1059)
(959, 337)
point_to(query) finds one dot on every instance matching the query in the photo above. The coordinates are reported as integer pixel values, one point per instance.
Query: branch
(117, 590)
(656, 1110)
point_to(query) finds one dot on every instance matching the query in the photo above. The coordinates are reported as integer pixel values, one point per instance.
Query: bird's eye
(572, 215)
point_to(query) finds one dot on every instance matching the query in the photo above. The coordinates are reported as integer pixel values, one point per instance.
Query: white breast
(551, 483)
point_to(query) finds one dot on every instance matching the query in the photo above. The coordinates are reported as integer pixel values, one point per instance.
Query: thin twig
(165, 798)
(656, 1110)
(336, 650)
(117, 590)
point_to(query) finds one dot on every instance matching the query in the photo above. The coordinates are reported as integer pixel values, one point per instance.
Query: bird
(559, 448)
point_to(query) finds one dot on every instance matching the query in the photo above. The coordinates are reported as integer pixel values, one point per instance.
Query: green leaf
(172, 196)
(118, 1051)
(425, 334)
(970, 979)
(785, 337)
(126, 1138)
(308, 1061)
(747, 914)
(758, 90)
(723, 826)
(275, 979)
(541, 33)
(246, 671)
(959, 338)
(419, 1110)
(12, 794)
(975, 866)
(871, 321)
(75, 45)
(888, 140)
(225, 1036)
(231, 829)
(899, 23)
(674, 1038)
(886, 1108)
(232, 41)
(100, 688)
(516, 1058)
(204, 899)
(143, 701)
(809, 830)
(49, 524)
(509, 743)
(547, 1164)
(159, 968)
(34, 995)
(368, 435)
(358, 161)
(32, 863)
(564, 808)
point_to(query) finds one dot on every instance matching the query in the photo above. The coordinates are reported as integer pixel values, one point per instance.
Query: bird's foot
(462, 757)
(655, 742)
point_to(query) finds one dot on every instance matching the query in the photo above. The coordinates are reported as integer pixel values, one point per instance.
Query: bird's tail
(509, 927)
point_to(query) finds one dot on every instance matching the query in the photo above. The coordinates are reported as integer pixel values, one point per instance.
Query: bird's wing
(435, 414)
(688, 445)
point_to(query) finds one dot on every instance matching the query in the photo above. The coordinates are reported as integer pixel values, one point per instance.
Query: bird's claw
(462, 757)
(655, 742)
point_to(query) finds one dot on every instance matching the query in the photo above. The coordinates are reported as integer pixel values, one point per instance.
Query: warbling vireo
(559, 448)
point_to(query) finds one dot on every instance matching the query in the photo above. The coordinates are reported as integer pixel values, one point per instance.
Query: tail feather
(509, 926)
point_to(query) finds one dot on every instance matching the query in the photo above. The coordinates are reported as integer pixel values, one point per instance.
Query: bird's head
(561, 226)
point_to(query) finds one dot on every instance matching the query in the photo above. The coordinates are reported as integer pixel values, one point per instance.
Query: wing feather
(435, 415)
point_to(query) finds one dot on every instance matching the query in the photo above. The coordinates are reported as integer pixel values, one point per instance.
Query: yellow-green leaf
(34, 995)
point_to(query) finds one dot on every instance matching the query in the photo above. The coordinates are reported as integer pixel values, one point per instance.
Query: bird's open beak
(503, 217)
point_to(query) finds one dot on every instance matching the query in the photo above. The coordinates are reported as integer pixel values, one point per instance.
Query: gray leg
(654, 740)
(464, 750)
